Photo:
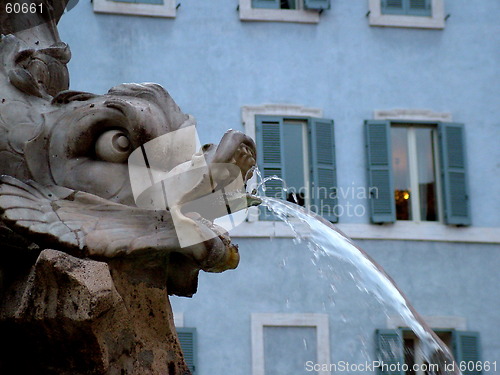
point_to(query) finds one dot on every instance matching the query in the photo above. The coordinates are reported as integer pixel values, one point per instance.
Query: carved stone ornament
(88, 258)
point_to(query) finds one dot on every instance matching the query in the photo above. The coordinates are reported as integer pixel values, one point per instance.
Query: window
(305, 11)
(187, 339)
(418, 170)
(283, 343)
(407, 7)
(301, 151)
(414, 160)
(398, 346)
(407, 13)
(152, 8)
(291, 4)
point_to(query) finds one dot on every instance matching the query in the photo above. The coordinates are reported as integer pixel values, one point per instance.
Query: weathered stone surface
(71, 316)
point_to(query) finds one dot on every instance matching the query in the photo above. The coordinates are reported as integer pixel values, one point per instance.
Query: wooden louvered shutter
(323, 171)
(453, 172)
(467, 351)
(187, 339)
(317, 4)
(389, 346)
(270, 160)
(419, 8)
(268, 4)
(380, 180)
(392, 7)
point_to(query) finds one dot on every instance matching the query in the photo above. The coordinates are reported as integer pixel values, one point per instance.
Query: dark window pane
(287, 4)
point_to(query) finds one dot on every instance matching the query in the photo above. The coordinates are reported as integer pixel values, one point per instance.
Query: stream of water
(323, 238)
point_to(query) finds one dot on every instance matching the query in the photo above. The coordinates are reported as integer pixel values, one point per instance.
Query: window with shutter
(292, 4)
(407, 7)
(151, 8)
(417, 171)
(403, 346)
(427, 14)
(187, 340)
(301, 11)
(300, 151)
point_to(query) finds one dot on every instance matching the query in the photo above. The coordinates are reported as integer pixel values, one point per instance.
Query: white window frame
(247, 13)
(318, 321)
(165, 10)
(435, 21)
(408, 116)
(413, 171)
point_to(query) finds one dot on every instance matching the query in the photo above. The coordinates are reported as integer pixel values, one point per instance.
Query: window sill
(436, 21)
(247, 13)
(165, 10)
(403, 231)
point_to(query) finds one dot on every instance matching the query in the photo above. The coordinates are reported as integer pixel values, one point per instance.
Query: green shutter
(454, 174)
(270, 160)
(187, 339)
(389, 346)
(467, 351)
(317, 4)
(419, 8)
(407, 7)
(380, 184)
(269, 4)
(392, 7)
(323, 169)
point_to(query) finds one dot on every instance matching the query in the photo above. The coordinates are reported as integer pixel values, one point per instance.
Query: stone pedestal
(76, 316)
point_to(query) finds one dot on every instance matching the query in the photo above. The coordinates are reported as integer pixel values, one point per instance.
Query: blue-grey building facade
(355, 62)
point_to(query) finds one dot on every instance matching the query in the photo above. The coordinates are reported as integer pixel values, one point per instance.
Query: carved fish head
(66, 154)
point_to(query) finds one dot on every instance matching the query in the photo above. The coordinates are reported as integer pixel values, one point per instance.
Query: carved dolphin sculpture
(64, 156)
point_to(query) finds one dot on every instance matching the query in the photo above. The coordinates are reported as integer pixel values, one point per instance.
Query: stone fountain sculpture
(85, 273)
